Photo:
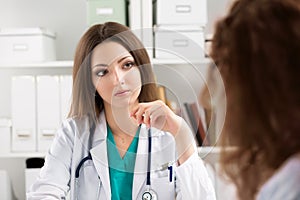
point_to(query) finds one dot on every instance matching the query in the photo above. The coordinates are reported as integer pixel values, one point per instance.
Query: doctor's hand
(158, 115)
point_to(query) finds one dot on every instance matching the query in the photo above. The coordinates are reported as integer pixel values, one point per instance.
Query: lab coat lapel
(140, 170)
(99, 155)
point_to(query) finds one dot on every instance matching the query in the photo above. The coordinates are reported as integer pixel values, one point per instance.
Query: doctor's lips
(121, 93)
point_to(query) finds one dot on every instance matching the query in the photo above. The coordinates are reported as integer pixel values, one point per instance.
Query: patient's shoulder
(284, 184)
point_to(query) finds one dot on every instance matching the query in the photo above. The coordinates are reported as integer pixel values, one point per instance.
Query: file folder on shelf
(65, 95)
(6, 192)
(23, 113)
(48, 115)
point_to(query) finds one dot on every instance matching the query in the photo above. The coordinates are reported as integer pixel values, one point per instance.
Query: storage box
(26, 45)
(183, 43)
(101, 11)
(181, 12)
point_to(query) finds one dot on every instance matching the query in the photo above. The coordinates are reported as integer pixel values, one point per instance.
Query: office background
(68, 18)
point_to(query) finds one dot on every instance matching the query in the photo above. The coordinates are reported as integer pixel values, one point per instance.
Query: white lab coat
(72, 143)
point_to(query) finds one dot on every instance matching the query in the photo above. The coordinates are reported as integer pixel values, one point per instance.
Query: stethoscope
(149, 193)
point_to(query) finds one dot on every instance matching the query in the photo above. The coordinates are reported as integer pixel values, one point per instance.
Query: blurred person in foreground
(256, 47)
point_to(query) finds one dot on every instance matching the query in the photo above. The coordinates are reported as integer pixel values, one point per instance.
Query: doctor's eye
(101, 72)
(128, 65)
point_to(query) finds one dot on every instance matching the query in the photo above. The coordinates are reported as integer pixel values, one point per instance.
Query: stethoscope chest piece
(149, 195)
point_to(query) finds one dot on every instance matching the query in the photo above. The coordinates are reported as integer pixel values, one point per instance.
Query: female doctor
(119, 141)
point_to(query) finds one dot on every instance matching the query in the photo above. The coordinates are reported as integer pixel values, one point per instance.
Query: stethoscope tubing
(89, 157)
(149, 157)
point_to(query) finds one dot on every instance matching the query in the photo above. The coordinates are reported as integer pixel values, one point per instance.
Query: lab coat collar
(99, 157)
(100, 133)
(101, 130)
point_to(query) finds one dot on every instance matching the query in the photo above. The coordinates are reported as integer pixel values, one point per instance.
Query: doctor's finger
(158, 119)
(147, 116)
(138, 113)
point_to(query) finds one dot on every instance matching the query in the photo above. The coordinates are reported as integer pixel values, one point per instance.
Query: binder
(199, 123)
(48, 115)
(65, 95)
(135, 19)
(147, 24)
(6, 191)
(196, 123)
(23, 113)
(5, 135)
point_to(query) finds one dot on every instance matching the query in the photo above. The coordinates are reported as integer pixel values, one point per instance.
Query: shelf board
(209, 150)
(22, 154)
(202, 151)
(209, 154)
(69, 63)
(158, 61)
(51, 64)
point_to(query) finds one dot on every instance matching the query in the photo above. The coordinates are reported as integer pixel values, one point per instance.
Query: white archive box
(26, 45)
(181, 12)
(48, 110)
(23, 113)
(184, 43)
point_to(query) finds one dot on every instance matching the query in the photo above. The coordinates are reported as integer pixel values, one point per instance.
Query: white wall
(66, 17)
(216, 9)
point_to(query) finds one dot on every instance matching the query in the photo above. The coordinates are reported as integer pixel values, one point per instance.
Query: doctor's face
(115, 75)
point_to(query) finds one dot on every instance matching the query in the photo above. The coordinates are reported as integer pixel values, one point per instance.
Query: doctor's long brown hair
(257, 49)
(85, 98)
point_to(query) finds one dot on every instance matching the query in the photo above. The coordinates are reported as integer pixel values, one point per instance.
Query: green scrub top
(121, 171)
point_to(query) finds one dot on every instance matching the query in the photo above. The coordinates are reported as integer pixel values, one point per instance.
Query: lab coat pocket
(88, 184)
(164, 188)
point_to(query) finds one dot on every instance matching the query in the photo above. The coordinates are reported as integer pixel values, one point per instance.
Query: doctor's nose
(118, 77)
